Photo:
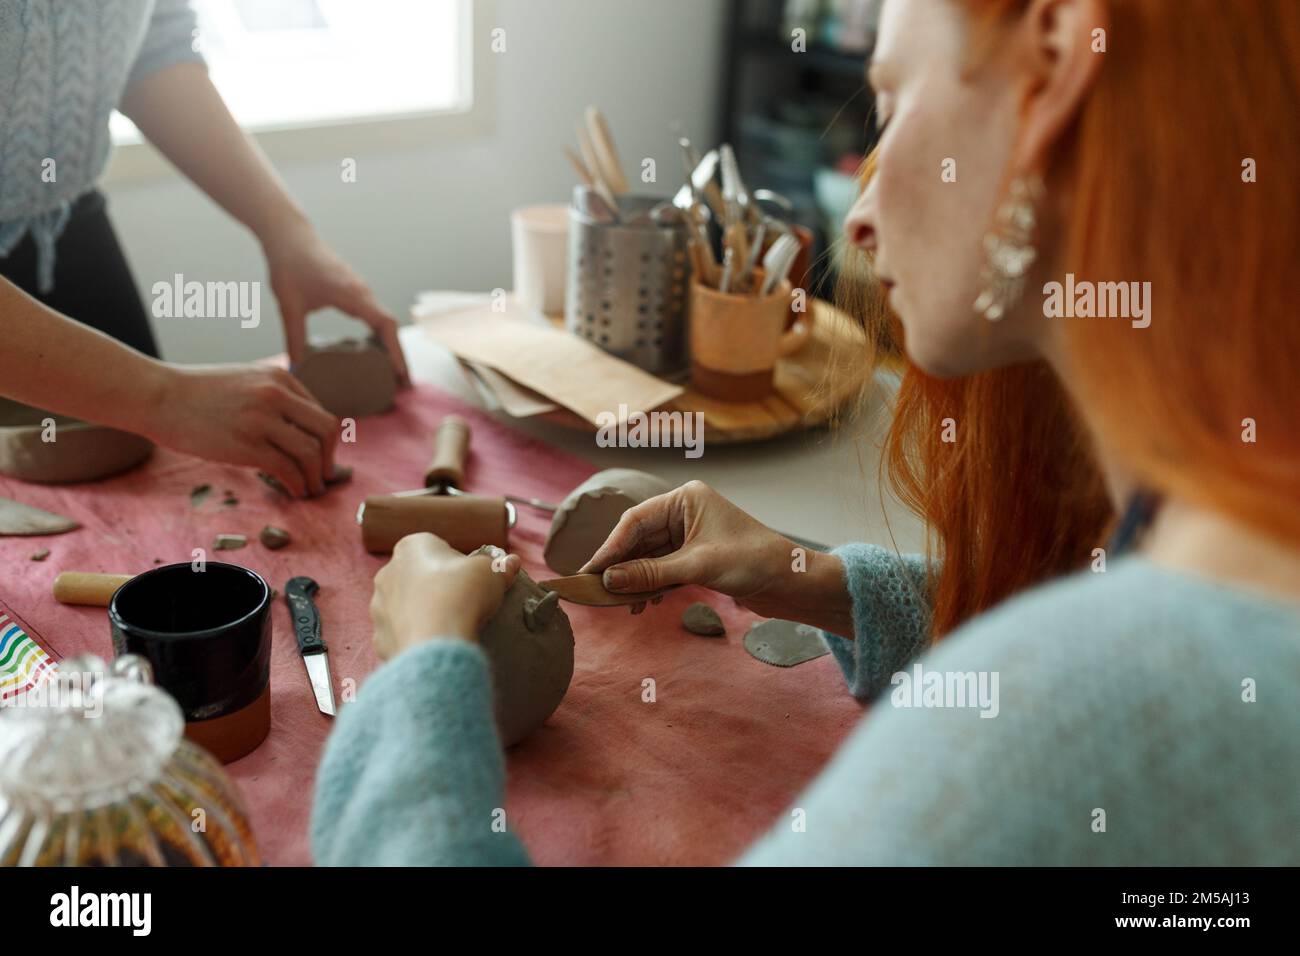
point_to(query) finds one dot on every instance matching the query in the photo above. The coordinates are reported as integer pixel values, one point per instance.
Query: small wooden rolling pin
(450, 449)
(81, 587)
(464, 521)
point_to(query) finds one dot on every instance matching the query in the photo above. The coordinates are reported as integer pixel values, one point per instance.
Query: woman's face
(950, 122)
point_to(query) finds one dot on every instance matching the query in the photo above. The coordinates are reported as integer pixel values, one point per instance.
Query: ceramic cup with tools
(207, 634)
(736, 340)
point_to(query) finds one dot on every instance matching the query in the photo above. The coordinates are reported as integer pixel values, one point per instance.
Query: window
(291, 63)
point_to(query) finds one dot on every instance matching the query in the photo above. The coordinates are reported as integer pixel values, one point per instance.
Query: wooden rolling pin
(81, 587)
(450, 449)
(464, 521)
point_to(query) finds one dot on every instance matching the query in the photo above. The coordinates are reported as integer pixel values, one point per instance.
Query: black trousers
(92, 281)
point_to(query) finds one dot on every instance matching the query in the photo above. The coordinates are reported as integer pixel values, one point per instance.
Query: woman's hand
(693, 535)
(431, 590)
(307, 275)
(251, 415)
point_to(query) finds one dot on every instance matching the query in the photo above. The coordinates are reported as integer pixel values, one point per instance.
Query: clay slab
(589, 513)
(80, 451)
(349, 377)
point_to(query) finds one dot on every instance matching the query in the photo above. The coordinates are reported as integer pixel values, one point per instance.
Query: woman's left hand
(431, 590)
(307, 275)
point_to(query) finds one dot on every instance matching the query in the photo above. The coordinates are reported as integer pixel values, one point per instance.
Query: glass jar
(95, 771)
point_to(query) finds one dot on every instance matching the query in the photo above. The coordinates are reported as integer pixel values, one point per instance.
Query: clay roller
(81, 587)
(465, 522)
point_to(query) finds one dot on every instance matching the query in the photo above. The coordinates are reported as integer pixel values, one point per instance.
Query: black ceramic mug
(207, 634)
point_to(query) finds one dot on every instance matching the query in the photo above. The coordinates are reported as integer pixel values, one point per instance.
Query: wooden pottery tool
(606, 152)
(91, 590)
(446, 471)
(589, 589)
(464, 521)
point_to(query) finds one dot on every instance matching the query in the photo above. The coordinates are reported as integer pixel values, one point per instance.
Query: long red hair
(1182, 169)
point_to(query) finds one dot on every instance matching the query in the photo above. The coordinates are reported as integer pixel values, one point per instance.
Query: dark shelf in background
(789, 114)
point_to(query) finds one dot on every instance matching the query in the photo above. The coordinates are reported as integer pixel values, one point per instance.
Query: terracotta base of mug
(236, 734)
(731, 387)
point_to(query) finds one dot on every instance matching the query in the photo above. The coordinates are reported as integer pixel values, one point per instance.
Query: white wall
(436, 215)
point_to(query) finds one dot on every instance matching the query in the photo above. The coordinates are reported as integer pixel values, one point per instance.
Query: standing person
(64, 67)
(1147, 706)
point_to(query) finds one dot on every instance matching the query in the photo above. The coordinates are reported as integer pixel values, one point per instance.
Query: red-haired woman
(1085, 216)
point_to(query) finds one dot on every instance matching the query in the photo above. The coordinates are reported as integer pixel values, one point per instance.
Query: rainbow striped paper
(23, 663)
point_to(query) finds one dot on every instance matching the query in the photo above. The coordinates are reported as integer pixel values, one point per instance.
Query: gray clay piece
(349, 377)
(529, 645)
(229, 542)
(701, 619)
(589, 513)
(274, 538)
(79, 451)
(20, 519)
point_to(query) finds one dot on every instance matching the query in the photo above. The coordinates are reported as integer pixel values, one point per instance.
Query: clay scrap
(42, 447)
(701, 619)
(349, 377)
(589, 513)
(529, 645)
(24, 520)
(229, 542)
(274, 538)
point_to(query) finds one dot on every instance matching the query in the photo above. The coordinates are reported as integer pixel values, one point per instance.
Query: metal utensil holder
(628, 284)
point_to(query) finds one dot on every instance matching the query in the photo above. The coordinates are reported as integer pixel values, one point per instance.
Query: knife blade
(300, 595)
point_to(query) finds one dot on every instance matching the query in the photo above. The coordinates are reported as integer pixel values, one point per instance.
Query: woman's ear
(1063, 44)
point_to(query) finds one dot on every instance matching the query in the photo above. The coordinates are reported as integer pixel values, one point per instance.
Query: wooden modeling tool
(92, 590)
(607, 158)
(589, 589)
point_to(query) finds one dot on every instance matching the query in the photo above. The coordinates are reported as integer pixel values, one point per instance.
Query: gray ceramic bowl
(80, 451)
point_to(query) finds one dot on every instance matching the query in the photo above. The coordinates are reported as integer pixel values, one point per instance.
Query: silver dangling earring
(1009, 248)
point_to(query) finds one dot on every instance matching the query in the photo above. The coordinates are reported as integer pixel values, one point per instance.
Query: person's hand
(307, 275)
(251, 415)
(693, 535)
(431, 590)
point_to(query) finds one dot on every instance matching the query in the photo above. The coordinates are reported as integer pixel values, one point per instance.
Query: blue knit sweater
(64, 65)
(1140, 717)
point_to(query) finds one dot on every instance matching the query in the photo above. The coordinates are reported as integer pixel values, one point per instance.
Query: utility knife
(300, 593)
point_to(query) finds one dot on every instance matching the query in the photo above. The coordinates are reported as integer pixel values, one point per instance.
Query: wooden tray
(806, 393)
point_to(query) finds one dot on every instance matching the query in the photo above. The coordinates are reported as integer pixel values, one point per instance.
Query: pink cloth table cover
(690, 778)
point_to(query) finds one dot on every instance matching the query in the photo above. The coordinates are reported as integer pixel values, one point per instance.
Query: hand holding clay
(307, 275)
(430, 590)
(247, 415)
(693, 535)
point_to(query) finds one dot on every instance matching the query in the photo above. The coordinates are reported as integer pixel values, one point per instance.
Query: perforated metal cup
(628, 285)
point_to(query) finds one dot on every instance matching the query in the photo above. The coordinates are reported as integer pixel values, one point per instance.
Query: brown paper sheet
(566, 369)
